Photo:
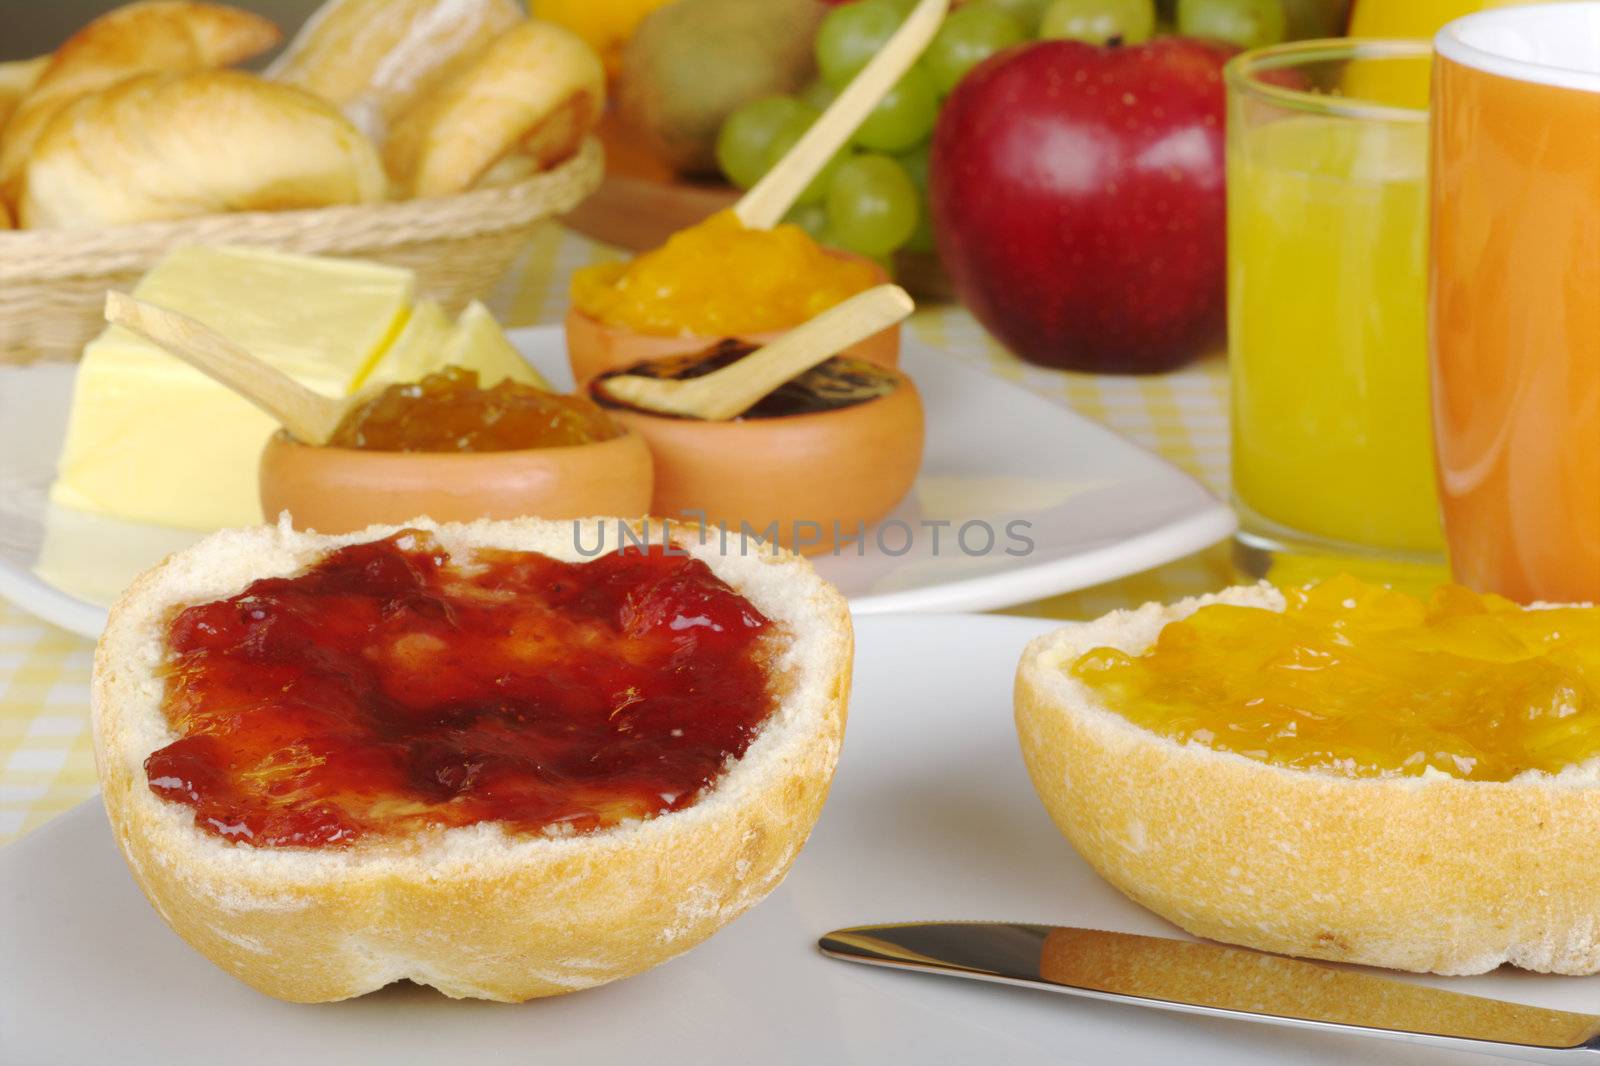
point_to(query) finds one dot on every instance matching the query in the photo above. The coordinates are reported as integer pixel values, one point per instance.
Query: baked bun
(536, 90)
(17, 78)
(171, 146)
(477, 910)
(155, 36)
(1430, 873)
(373, 58)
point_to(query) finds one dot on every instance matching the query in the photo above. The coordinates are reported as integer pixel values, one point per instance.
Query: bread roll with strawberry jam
(480, 757)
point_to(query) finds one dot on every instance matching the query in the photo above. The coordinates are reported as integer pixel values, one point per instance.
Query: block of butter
(151, 440)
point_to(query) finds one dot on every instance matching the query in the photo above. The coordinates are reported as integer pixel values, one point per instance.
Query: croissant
(142, 38)
(16, 79)
(537, 88)
(372, 58)
(165, 146)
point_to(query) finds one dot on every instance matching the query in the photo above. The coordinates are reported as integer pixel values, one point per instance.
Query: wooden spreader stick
(772, 196)
(726, 393)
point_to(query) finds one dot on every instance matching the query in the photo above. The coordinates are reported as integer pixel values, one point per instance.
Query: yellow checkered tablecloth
(46, 760)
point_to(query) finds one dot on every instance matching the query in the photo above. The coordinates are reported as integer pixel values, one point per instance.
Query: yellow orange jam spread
(1363, 681)
(390, 688)
(718, 278)
(447, 412)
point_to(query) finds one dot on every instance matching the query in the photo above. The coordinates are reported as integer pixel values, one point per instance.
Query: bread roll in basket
(93, 133)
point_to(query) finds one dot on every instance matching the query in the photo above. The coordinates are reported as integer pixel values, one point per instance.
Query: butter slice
(429, 343)
(477, 343)
(151, 440)
(416, 351)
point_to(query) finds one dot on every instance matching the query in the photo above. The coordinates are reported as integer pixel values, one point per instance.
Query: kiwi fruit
(692, 63)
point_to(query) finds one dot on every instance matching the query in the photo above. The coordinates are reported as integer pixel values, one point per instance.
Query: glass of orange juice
(1516, 299)
(1327, 284)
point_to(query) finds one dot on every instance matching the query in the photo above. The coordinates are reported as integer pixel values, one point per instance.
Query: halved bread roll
(536, 90)
(141, 38)
(173, 146)
(374, 58)
(477, 910)
(1430, 873)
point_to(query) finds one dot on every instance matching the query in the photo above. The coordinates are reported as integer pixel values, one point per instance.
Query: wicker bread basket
(53, 282)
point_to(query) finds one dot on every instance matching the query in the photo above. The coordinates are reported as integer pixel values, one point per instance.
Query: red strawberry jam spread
(389, 688)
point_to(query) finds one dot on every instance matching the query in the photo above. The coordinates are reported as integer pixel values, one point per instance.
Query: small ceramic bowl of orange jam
(445, 448)
(818, 460)
(713, 280)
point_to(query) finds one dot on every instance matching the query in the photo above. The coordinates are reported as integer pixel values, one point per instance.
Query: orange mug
(1515, 299)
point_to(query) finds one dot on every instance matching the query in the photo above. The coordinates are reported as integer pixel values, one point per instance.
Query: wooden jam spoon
(310, 417)
(726, 393)
(770, 198)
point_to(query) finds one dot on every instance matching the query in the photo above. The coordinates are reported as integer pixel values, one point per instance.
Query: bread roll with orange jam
(1343, 772)
(472, 756)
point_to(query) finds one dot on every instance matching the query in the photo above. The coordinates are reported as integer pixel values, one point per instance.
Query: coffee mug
(1515, 299)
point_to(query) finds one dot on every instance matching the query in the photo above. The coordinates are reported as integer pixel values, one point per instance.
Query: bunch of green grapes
(871, 198)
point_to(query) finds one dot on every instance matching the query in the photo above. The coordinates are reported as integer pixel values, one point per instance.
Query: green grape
(1027, 13)
(745, 140)
(903, 117)
(819, 94)
(1246, 23)
(969, 36)
(1100, 21)
(921, 239)
(828, 238)
(852, 34)
(872, 205)
(813, 218)
(785, 139)
(915, 162)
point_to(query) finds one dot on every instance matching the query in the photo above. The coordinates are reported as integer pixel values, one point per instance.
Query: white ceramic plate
(1096, 507)
(931, 816)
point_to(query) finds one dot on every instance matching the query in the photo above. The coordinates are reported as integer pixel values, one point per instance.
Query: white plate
(931, 816)
(1098, 507)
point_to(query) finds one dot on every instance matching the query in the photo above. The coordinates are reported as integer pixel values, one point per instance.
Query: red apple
(1078, 202)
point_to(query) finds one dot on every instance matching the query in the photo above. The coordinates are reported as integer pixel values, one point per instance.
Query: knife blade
(1207, 978)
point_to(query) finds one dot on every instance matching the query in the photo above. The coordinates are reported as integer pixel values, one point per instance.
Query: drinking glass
(1333, 466)
(1515, 328)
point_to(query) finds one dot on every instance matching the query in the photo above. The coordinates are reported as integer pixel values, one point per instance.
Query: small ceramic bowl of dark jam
(818, 460)
(446, 448)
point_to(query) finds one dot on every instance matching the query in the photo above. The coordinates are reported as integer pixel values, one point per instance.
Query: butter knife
(1206, 978)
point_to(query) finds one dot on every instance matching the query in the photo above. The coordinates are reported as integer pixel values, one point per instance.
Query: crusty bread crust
(1428, 874)
(473, 911)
